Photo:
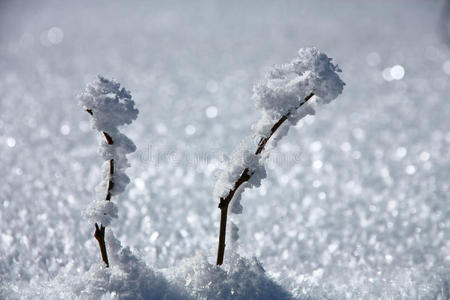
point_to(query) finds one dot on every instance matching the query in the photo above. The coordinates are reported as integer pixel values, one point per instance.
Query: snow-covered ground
(355, 204)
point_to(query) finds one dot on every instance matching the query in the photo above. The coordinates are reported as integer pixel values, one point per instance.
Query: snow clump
(240, 160)
(287, 86)
(111, 105)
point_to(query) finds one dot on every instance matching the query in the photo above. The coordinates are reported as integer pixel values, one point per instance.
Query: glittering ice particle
(140, 183)
(346, 147)
(410, 169)
(11, 142)
(401, 152)
(333, 247)
(154, 236)
(190, 130)
(65, 129)
(55, 35)
(211, 112)
(388, 258)
(315, 146)
(424, 156)
(397, 72)
(317, 164)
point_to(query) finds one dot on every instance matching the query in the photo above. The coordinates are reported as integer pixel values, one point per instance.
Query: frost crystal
(110, 106)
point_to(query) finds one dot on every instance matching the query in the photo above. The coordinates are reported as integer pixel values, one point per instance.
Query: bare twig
(245, 176)
(100, 237)
(100, 231)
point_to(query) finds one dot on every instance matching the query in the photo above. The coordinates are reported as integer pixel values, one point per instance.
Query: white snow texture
(355, 204)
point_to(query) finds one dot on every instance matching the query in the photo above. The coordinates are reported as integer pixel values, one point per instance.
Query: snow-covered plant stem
(245, 176)
(284, 98)
(99, 233)
(110, 106)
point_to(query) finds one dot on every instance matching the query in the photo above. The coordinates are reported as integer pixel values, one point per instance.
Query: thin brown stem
(99, 233)
(245, 176)
(100, 237)
(263, 141)
(222, 234)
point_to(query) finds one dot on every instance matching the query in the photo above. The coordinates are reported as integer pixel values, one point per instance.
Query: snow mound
(127, 278)
(242, 279)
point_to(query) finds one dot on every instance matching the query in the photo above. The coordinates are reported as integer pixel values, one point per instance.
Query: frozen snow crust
(355, 200)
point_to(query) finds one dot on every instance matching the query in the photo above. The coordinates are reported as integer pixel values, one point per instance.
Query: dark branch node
(108, 138)
(100, 237)
(222, 203)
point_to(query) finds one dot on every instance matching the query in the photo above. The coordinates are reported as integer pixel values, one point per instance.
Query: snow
(101, 212)
(110, 105)
(129, 278)
(287, 88)
(240, 160)
(243, 279)
(287, 85)
(365, 215)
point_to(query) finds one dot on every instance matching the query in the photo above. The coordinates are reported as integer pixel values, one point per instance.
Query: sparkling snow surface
(356, 200)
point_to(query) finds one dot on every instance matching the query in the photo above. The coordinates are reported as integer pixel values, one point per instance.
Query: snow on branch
(110, 107)
(241, 159)
(286, 87)
(288, 93)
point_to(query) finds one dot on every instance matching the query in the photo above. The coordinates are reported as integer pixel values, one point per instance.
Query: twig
(100, 237)
(99, 233)
(245, 176)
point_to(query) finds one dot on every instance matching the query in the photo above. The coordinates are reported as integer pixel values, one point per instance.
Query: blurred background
(356, 199)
